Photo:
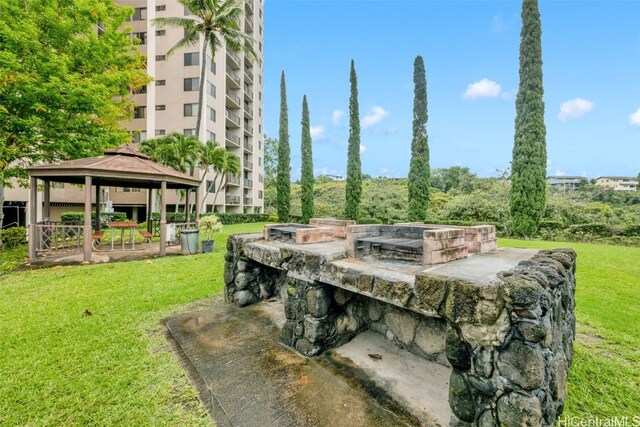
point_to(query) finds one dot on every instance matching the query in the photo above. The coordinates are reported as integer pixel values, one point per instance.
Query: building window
(260, 46)
(191, 58)
(139, 14)
(130, 190)
(211, 114)
(138, 136)
(211, 187)
(259, 145)
(259, 112)
(161, 32)
(260, 29)
(259, 161)
(260, 129)
(259, 96)
(161, 58)
(139, 112)
(160, 132)
(189, 132)
(161, 107)
(211, 136)
(211, 65)
(191, 84)
(161, 82)
(140, 36)
(140, 90)
(211, 89)
(260, 194)
(161, 8)
(190, 110)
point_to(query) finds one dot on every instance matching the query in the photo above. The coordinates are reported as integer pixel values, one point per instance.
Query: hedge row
(78, 217)
(225, 218)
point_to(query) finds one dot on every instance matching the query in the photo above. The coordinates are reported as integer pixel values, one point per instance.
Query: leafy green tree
(306, 181)
(65, 88)
(284, 157)
(458, 178)
(215, 21)
(529, 163)
(353, 191)
(419, 173)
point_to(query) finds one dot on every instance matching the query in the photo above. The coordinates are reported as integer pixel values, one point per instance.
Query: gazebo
(121, 167)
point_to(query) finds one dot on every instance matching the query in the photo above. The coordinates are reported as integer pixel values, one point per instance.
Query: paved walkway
(246, 378)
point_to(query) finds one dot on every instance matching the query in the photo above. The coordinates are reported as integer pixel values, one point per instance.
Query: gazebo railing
(55, 237)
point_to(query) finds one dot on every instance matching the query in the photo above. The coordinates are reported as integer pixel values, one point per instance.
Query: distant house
(566, 183)
(334, 177)
(618, 183)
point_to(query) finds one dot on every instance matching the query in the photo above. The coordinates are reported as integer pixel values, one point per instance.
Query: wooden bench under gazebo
(122, 167)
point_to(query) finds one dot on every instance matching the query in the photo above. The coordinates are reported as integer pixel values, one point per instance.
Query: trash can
(189, 239)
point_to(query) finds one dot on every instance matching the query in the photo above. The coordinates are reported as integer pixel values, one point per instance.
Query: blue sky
(591, 54)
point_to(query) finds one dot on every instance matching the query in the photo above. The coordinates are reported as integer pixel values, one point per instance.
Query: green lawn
(115, 368)
(58, 367)
(605, 375)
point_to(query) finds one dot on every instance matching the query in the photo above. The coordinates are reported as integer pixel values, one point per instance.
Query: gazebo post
(187, 214)
(197, 207)
(33, 217)
(46, 214)
(163, 218)
(87, 219)
(149, 210)
(97, 223)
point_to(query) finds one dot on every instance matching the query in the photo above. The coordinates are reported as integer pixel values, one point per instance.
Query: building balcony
(248, 112)
(232, 141)
(248, 146)
(248, 165)
(233, 180)
(233, 120)
(248, 129)
(248, 93)
(232, 200)
(248, 6)
(233, 60)
(233, 100)
(248, 25)
(248, 183)
(233, 80)
(248, 75)
(248, 201)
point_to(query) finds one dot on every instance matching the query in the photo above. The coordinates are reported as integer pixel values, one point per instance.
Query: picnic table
(122, 225)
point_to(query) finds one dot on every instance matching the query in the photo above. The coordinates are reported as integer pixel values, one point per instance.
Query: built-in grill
(390, 247)
(285, 232)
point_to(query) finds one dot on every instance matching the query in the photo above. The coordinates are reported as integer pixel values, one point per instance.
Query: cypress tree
(354, 174)
(419, 173)
(306, 181)
(529, 163)
(284, 158)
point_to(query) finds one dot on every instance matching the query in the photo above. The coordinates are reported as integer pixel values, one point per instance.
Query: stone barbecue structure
(502, 319)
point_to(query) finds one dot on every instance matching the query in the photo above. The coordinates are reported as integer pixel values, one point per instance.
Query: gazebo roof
(121, 167)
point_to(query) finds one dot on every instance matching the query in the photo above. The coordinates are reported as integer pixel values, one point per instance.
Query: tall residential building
(233, 114)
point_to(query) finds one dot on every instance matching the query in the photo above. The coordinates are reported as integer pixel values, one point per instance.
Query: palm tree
(175, 150)
(215, 21)
(228, 165)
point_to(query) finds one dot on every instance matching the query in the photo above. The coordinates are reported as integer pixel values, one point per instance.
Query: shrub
(209, 225)
(14, 236)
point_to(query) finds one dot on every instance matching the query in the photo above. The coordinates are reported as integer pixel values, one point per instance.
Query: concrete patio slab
(247, 378)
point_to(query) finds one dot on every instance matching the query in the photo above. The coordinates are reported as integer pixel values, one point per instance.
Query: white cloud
(634, 118)
(377, 115)
(318, 133)
(484, 88)
(337, 116)
(575, 108)
(363, 148)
